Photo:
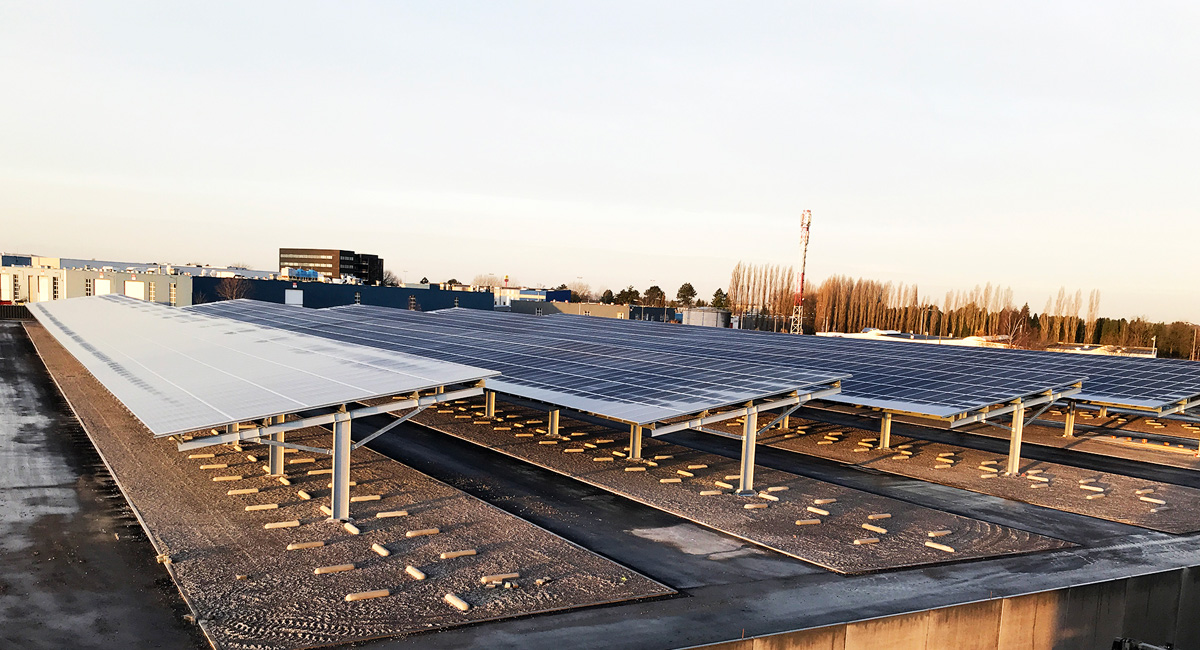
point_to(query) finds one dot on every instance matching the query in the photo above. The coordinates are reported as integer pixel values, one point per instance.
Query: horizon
(942, 146)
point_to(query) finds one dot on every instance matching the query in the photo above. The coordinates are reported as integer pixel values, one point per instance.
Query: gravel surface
(829, 544)
(248, 591)
(1113, 496)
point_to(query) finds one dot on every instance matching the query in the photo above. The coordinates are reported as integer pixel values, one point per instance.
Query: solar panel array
(1129, 381)
(932, 382)
(937, 381)
(181, 371)
(601, 377)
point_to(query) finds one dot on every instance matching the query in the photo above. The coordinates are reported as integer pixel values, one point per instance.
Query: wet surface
(646, 539)
(77, 570)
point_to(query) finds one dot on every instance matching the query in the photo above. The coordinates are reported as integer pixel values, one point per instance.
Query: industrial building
(700, 434)
(622, 312)
(333, 263)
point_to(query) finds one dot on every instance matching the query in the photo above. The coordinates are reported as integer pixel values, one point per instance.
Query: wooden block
(282, 524)
(547, 442)
(422, 532)
(284, 480)
(502, 428)
(767, 496)
(337, 568)
(940, 547)
(296, 546)
(498, 577)
(879, 515)
(807, 522)
(875, 529)
(195, 456)
(252, 458)
(242, 491)
(413, 571)
(618, 454)
(817, 511)
(694, 466)
(990, 462)
(988, 468)
(670, 480)
(664, 457)
(573, 451)
(733, 477)
(1085, 481)
(1092, 488)
(1038, 485)
(635, 469)
(988, 475)
(866, 540)
(301, 461)
(900, 457)
(350, 483)
(380, 550)
(589, 445)
(365, 497)
(315, 472)
(450, 555)
(778, 488)
(227, 478)
(942, 466)
(1095, 496)
(1152, 500)
(303, 495)
(327, 510)
(708, 493)
(824, 442)
(367, 595)
(684, 473)
(722, 484)
(822, 502)
(1144, 491)
(458, 603)
(351, 528)
(937, 533)
(215, 466)
(391, 513)
(603, 459)
(524, 435)
(754, 506)
(262, 506)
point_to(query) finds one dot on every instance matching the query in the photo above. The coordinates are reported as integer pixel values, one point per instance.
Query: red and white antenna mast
(798, 309)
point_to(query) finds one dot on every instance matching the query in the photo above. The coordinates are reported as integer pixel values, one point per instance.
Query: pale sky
(949, 144)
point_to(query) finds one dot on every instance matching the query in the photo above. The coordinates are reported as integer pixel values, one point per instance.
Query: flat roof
(598, 377)
(180, 371)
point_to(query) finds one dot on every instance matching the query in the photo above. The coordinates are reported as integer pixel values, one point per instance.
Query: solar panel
(940, 381)
(598, 377)
(181, 371)
(1129, 381)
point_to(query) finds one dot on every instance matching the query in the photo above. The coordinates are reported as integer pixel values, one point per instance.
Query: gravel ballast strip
(211, 540)
(1061, 489)
(829, 545)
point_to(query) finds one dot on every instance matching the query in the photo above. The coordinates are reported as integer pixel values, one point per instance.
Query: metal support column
(275, 452)
(489, 404)
(885, 432)
(783, 424)
(341, 467)
(1014, 441)
(552, 427)
(749, 446)
(1103, 411)
(1069, 421)
(635, 442)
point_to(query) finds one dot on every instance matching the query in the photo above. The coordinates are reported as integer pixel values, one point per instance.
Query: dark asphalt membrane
(76, 570)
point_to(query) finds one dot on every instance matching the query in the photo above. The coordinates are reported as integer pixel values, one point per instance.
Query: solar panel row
(180, 371)
(532, 352)
(618, 382)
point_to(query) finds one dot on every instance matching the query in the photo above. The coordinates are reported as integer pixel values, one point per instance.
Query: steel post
(749, 446)
(635, 442)
(489, 404)
(1014, 441)
(885, 432)
(1069, 422)
(552, 425)
(275, 452)
(783, 424)
(341, 468)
